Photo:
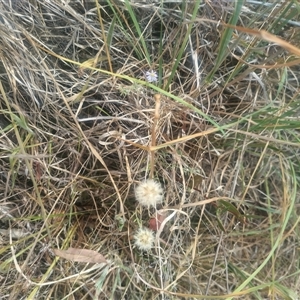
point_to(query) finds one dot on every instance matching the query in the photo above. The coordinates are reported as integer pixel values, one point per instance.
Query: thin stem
(153, 134)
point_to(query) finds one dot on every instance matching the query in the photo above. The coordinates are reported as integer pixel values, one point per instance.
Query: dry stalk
(153, 134)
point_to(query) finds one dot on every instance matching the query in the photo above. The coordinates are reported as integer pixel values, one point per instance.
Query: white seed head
(149, 193)
(144, 239)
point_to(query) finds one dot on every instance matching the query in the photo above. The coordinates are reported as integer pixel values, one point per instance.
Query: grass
(81, 127)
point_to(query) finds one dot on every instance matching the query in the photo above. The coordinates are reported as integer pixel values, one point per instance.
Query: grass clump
(198, 98)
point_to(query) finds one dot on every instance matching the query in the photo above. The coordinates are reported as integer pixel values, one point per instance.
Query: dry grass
(78, 122)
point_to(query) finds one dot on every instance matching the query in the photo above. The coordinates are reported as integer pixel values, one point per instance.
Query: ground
(149, 150)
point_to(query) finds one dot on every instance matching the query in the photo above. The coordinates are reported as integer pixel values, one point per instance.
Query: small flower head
(144, 239)
(151, 76)
(149, 193)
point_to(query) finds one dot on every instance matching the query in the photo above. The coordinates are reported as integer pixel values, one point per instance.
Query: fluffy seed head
(149, 193)
(144, 239)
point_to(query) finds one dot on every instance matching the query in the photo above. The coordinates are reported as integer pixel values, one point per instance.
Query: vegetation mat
(149, 149)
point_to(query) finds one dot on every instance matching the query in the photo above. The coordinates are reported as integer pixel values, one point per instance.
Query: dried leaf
(81, 255)
(5, 212)
(155, 222)
(38, 170)
(14, 233)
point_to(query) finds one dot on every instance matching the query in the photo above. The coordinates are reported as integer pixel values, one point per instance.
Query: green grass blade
(293, 197)
(184, 43)
(226, 37)
(137, 27)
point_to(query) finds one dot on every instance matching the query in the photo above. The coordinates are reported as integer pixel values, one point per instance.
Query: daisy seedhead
(144, 239)
(151, 76)
(149, 193)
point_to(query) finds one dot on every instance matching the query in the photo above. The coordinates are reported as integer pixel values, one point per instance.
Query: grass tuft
(106, 105)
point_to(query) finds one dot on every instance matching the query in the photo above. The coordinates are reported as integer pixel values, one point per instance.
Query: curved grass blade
(222, 53)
